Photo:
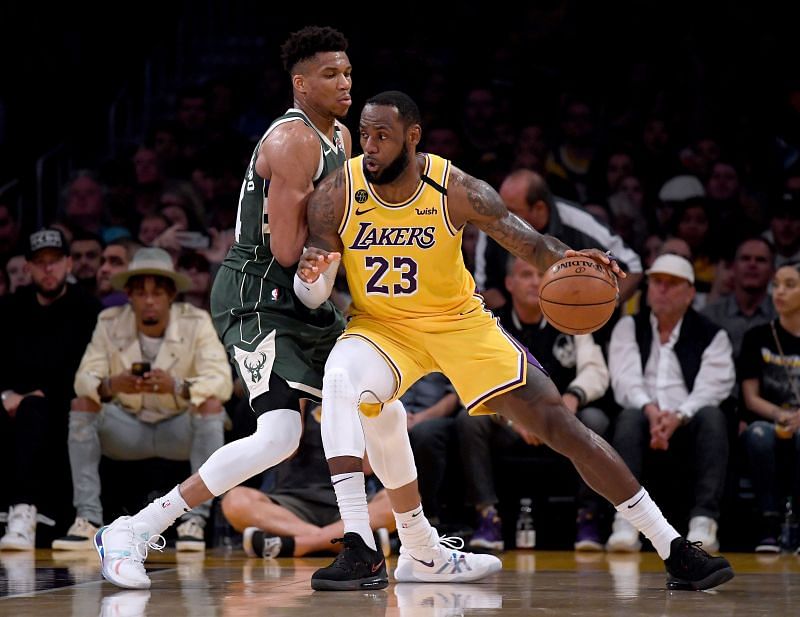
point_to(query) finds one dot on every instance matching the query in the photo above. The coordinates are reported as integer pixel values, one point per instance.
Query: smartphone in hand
(140, 368)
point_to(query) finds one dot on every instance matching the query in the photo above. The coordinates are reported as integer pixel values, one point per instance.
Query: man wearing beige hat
(671, 369)
(151, 384)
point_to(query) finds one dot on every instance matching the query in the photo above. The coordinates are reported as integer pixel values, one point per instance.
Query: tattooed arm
(316, 271)
(474, 201)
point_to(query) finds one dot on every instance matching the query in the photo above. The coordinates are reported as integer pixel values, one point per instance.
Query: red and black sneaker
(689, 567)
(356, 567)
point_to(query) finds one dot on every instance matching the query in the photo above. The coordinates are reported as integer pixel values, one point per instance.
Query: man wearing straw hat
(151, 384)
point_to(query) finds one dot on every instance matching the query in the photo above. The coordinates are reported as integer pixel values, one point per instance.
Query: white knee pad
(389, 447)
(342, 434)
(277, 436)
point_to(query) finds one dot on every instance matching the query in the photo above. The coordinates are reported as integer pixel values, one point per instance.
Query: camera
(140, 368)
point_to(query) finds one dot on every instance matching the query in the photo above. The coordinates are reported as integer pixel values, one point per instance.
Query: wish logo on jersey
(370, 235)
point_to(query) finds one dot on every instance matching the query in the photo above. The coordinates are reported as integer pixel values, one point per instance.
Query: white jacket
(191, 350)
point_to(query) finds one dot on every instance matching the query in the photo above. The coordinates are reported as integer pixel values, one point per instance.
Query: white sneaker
(442, 562)
(122, 547)
(79, 537)
(624, 537)
(125, 604)
(21, 530)
(191, 535)
(704, 529)
(445, 596)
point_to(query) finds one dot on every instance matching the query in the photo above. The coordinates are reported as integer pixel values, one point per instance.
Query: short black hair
(406, 108)
(308, 41)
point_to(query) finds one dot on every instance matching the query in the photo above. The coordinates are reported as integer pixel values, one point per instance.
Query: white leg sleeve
(354, 372)
(277, 436)
(389, 447)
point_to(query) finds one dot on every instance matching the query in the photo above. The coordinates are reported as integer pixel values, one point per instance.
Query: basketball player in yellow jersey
(394, 217)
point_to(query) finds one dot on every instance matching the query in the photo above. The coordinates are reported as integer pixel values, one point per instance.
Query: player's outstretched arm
(475, 201)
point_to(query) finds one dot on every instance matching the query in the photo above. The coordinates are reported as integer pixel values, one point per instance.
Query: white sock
(352, 499)
(643, 513)
(413, 528)
(162, 512)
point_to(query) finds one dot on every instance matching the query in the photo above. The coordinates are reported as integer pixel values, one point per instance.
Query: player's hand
(314, 262)
(125, 383)
(607, 259)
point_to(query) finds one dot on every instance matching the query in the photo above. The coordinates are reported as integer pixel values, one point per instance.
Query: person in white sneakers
(671, 369)
(151, 384)
(44, 329)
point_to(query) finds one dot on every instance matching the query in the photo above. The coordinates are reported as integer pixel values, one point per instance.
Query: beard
(51, 293)
(392, 171)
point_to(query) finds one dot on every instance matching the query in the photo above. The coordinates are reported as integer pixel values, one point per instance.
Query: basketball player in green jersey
(277, 344)
(395, 218)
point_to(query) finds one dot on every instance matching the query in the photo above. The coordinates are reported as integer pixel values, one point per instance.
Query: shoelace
(40, 518)
(695, 554)
(155, 542)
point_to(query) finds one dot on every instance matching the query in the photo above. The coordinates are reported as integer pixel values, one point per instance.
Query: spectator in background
(197, 269)
(673, 193)
(527, 195)
(693, 223)
(44, 329)
(170, 409)
(86, 250)
(749, 304)
(671, 369)
(18, 273)
(151, 227)
(84, 202)
(9, 229)
(578, 369)
(769, 369)
(115, 259)
(784, 229)
(569, 164)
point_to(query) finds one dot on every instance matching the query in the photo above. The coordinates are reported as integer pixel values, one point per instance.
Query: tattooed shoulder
(481, 198)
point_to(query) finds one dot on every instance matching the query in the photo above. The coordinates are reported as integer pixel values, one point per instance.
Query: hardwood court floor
(225, 584)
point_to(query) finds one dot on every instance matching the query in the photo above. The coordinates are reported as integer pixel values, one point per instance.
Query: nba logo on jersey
(275, 295)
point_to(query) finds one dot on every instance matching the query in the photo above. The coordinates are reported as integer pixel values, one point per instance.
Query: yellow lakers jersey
(403, 260)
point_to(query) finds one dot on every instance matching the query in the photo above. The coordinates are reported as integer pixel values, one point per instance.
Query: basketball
(578, 295)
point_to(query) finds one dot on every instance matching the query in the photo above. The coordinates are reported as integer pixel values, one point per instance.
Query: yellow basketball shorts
(480, 359)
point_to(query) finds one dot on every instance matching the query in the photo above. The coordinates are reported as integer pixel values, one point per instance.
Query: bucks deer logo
(255, 368)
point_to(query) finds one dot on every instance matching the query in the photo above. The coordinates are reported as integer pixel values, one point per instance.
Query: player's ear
(299, 83)
(414, 134)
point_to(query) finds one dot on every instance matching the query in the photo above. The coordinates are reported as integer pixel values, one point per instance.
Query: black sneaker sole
(712, 580)
(372, 582)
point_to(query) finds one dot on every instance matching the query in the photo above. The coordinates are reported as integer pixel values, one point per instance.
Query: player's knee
(209, 407)
(337, 385)
(279, 433)
(236, 503)
(84, 403)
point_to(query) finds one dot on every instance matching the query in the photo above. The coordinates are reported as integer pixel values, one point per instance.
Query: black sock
(287, 547)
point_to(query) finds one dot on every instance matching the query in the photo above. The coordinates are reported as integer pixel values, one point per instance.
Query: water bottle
(789, 533)
(526, 534)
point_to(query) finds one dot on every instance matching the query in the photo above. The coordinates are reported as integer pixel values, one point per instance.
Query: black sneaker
(690, 568)
(356, 567)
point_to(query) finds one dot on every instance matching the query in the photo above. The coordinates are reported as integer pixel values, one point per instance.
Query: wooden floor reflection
(225, 584)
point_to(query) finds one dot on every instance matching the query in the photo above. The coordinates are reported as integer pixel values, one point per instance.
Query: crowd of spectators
(703, 212)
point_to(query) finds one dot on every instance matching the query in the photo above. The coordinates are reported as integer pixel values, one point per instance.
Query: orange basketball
(578, 295)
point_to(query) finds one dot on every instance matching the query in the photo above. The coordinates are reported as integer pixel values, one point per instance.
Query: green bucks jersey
(250, 252)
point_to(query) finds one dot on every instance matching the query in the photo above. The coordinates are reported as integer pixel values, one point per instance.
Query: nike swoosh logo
(377, 566)
(428, 564)
(416, 514)
(637, 501)
(341, 480)
(326, 151)
(360, 212)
